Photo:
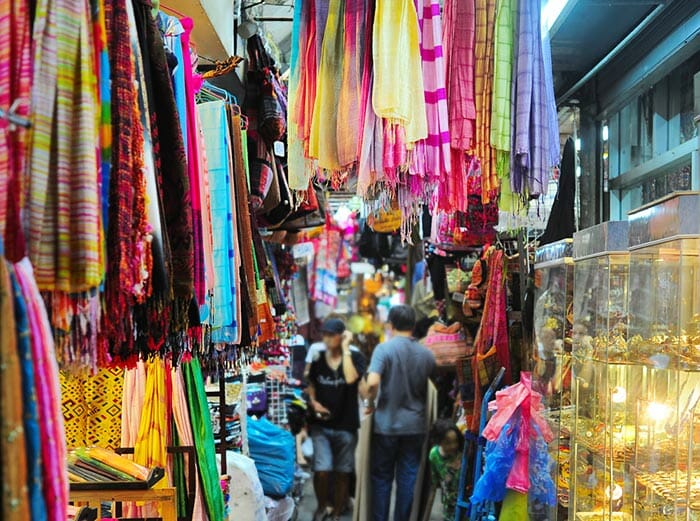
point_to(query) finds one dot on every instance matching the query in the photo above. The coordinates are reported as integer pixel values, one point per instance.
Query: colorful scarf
(13, 470)
(48, 393)
(15, 81)
(483, 75)
(29, 400)
(458, 42)
(432, 156)
(217, 143)
(502, 81)
(203, 439)
(171, 172)
(183, 425)
(532, 155)
(126, 243)
(63, 195)
(245, 233)
(396, 53)
(323, 141)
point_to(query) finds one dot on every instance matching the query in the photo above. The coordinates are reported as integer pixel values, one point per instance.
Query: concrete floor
(308, 506)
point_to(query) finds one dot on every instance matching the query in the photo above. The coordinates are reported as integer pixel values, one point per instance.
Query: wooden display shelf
(167, 498)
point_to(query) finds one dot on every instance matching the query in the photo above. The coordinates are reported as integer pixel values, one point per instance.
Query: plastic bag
(273, 450)
(499, 458)
(247, 501)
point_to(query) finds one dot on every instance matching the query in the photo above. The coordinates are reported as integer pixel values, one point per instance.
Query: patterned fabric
(432, 156)
(459, 63)
(491, 343)
(171, 163)
(445, 475)
(15, 80)
(458, 41)
(48, 393)
(396, 53)
(92, 408)
(483, 74)
(31, 414)
(127, 246)
(63, 210)
(13, 471)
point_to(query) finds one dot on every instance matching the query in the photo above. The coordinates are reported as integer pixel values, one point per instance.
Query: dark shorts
(334, 450)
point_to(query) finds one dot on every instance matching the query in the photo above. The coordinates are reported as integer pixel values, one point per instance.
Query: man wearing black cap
(334, 377)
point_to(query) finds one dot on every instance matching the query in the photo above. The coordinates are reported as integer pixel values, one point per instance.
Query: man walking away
(398, 375)
(334, 377)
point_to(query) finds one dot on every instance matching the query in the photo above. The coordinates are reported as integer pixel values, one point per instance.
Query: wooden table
(165, 496)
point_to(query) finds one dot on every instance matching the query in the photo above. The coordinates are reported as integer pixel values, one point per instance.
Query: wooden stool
(165, 496)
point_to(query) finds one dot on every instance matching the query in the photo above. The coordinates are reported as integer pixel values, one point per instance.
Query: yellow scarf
(398, 94)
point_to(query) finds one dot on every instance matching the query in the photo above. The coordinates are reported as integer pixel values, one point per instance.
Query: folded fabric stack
(96, 465)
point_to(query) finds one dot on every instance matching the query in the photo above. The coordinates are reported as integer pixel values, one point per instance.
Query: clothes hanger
(172, 10)
(12, 118)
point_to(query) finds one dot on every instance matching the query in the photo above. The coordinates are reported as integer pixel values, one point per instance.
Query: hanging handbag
(448, 343)
(310, 213)
(278, 203)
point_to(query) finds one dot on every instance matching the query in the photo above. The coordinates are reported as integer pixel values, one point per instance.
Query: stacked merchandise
(415, 110)
(99, 466)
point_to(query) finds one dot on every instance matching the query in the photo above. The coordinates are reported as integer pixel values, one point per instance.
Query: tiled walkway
(308, 506)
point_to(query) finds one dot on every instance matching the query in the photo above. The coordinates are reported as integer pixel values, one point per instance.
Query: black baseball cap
(333, 326)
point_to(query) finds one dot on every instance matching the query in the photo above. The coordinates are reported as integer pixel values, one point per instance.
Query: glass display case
(664, 340)
(551, 360)
(605, 378)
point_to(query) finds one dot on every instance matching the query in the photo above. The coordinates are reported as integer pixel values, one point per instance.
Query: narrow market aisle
(308, 506)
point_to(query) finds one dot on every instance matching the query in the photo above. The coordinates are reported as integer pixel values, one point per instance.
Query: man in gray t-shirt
(398, 380)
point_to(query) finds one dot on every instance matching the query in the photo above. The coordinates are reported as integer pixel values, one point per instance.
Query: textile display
(92, 408)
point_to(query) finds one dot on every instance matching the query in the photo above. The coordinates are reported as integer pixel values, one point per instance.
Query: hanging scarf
(48, 394)
(348, 111)
(492, 338)
(171, 172)
(63, 202)
(127, 186)
(432, 156)
(13, 454)
(245, 234)
(398, 93)
(533, 150)
(203, 439)
(15, 82)
(323, 142)
(29, 400)
(184, 434)
(483, 85)
(458, 42)
(216, 137)
(502, 84)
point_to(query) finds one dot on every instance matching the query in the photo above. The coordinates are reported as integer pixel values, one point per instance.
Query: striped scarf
(63, 194)
(432, 156)
(48, 394)
(15, 81)
(483, 71)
